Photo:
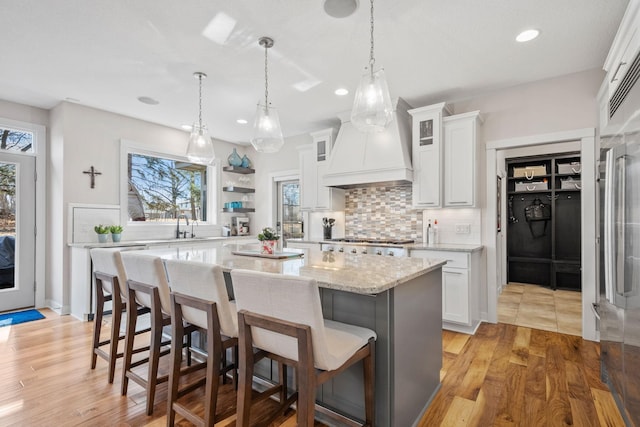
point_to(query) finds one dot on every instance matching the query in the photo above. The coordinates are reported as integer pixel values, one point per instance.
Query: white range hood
(369, 158)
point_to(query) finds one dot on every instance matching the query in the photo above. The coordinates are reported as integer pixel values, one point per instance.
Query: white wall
(82, 137)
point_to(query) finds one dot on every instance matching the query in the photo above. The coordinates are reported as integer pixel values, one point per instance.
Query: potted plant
(116, 232)
(103, 232)
(268, 239)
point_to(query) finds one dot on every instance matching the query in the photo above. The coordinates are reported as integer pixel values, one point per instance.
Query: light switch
(463, 228)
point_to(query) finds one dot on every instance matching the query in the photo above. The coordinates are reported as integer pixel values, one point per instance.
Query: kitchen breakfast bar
(399, 298)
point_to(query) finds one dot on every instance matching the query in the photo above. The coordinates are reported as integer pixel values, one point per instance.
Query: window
(16, 140)
(161, 187)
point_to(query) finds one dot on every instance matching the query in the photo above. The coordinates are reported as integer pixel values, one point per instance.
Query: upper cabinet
(460, 146)
(427, 154)
(622, 58)
(444, 157)
(314, 160)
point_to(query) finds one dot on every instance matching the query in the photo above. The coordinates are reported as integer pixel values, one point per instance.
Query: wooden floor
(538, 307)
(505, 375)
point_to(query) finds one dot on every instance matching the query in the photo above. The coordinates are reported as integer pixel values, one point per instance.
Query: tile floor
(538, 307)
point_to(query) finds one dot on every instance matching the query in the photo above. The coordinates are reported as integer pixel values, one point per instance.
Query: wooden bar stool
(199, 297)
(147, 285)
(282, 317)
(110, 285)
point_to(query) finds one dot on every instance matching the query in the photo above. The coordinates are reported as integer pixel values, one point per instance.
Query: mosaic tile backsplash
(382, 212)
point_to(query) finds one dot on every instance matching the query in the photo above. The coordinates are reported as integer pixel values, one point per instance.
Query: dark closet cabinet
(544, 252)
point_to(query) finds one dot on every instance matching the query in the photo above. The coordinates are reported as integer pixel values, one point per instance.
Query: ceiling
(107, 53)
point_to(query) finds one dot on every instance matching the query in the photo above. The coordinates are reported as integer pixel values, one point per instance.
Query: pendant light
(200, 148)
(267, 134)
(372, 109)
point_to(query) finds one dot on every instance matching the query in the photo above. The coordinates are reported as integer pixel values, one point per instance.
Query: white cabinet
(427, 154)
(444, 157)
(461, 283)
(314, 160)
(460, 147)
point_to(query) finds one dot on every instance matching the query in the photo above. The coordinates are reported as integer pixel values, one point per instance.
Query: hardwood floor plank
(459, 412)
(606, 408)
(520, 350)
(558, 410)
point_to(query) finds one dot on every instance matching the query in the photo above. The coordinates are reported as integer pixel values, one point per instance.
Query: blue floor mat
(20, 317)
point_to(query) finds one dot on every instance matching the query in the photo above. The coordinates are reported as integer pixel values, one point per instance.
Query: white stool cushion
(148, 269)
(297, 300)
(206, 282)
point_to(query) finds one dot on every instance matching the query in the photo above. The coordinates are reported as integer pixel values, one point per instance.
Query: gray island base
(399, 298)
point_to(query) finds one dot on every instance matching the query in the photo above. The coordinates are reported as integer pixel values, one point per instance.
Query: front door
(17, 231)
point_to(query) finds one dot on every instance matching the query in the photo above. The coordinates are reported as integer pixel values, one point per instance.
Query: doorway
(17, 231)
(582, 141)
(289, 222)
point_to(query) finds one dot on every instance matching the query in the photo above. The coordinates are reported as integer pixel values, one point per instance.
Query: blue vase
(234, 159)
(246, 163)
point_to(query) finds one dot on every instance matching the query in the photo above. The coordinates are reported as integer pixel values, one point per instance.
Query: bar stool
(199, 296)
(282, 317)
(110, 285)
(147, 285)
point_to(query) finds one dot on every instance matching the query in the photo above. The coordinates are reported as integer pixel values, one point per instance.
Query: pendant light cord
(200, 101)
(266, 78)
(371, 58)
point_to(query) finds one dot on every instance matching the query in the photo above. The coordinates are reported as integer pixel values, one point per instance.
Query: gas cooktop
(372, 241)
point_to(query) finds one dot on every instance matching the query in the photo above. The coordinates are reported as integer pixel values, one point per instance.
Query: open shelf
(238, 169)
(234, 189)
(239, 210)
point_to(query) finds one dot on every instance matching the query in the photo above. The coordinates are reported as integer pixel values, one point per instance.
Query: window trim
(130, 147)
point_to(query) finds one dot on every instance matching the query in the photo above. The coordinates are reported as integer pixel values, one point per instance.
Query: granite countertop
(356, 273)
(195, 240)
(453, 247)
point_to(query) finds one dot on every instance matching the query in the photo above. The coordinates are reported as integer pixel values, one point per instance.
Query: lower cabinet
(461, 282)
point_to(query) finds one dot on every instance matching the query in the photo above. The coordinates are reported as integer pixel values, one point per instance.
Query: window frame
(129, 147)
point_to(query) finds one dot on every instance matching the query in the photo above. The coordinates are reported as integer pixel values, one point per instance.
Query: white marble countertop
(453, 247)
(195, 240)
(357, 273)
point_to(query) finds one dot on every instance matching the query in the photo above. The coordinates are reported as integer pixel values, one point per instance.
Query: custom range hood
(369, 158)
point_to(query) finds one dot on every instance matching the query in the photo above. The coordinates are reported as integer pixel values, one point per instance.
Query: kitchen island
(399, 298)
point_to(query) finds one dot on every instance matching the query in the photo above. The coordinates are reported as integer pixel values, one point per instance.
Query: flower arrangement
(268, 233)
(268, 238)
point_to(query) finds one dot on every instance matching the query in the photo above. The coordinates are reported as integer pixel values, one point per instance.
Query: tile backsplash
(449, 220)
(382, 212)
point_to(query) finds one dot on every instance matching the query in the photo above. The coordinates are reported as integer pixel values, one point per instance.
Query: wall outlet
(463, 228)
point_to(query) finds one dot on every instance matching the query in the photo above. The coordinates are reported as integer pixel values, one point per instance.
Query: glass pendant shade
(200, 148)
(372, 108)
(267, 137)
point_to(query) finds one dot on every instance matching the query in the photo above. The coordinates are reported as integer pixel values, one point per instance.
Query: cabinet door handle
(457, 203)
(615, 75)
(454, 272)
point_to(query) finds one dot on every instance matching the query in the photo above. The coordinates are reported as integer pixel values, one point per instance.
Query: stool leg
(177, 329)
(245, 376)
(116, 319)
(130, 333)
(369, 364)
(306, 379)
(154, 356)
(97, 321)
(214, 358)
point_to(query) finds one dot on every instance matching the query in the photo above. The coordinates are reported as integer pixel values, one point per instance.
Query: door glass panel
(291, 217)
(16, 140)
(7, 224)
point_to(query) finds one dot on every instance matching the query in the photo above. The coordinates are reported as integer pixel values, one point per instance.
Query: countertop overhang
(356, 273)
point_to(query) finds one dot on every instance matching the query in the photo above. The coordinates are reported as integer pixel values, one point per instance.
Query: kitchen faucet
(178, 233)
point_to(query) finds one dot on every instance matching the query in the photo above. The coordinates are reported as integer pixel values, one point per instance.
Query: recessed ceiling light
(527, 35)
(241, 121)
(340, 8)
(186, 127)
(341, 92)
(148, 100)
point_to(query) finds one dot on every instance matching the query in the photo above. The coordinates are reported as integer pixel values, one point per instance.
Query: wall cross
(93, 172)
